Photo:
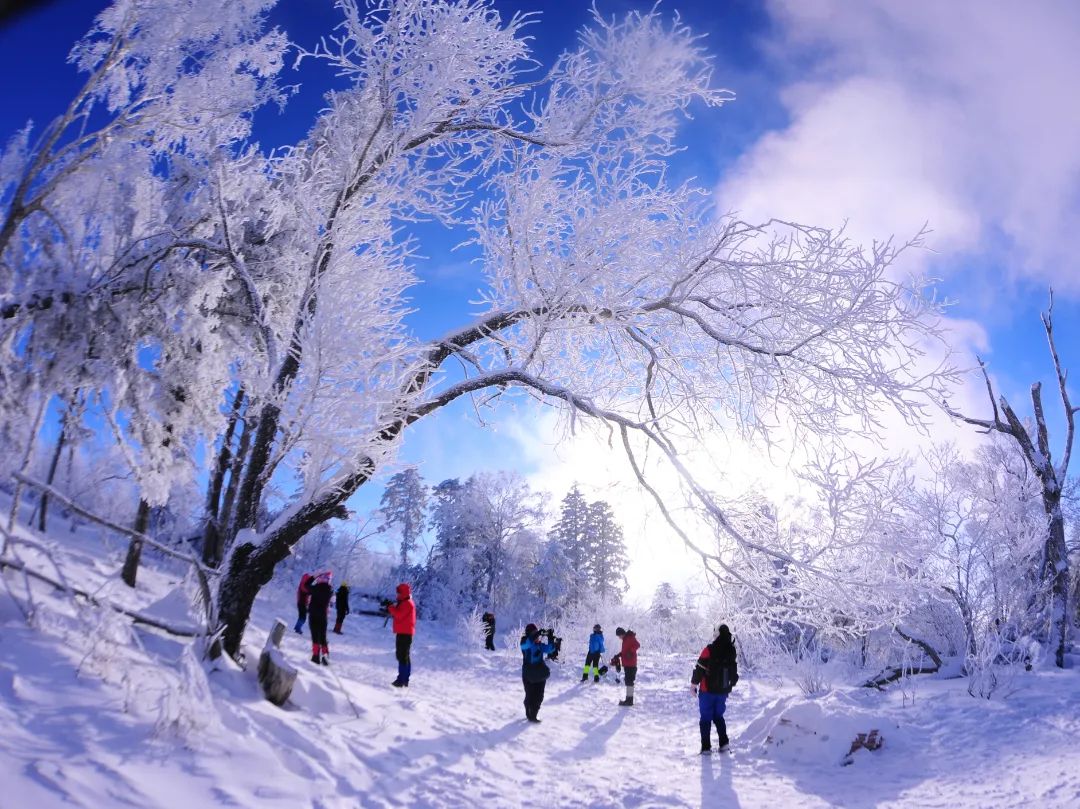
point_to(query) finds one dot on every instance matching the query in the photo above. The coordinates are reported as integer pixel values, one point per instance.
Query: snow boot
(315, 659)
(585, 677)
(325, 660)
(721, 732)
(627, 703)
(596, 678)
(399, 684)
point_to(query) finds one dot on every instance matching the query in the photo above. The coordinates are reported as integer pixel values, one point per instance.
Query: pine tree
(606, 559)
(571, 534)
(402, 507)
(665, 602)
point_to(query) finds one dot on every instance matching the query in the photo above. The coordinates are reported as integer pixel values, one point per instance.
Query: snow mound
(816, 731)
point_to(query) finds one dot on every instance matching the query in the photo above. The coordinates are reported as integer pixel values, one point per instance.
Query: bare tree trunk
(225, 520)
(53, 463)
(24, 466)
(1055, 571)
(134, 553)
(251, 566)
(965, 614)
(212, 532)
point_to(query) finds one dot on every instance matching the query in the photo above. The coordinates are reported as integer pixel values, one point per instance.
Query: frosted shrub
(186, 705)
(470, 629)
(809, 673)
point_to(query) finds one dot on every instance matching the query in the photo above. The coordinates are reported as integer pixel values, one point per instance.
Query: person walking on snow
(489, 630)
(302, 596)
(341, 604)
(403, 611)
(594, 655)
(627, 658)
(714, 676)
(534, 671)
(321, 593)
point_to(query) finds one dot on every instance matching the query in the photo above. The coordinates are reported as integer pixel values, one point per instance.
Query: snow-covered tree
(1034, 442)
(402, 509)
(571, 535)
(606, 559)
(188, 264)
(486, 531)
(665, 602)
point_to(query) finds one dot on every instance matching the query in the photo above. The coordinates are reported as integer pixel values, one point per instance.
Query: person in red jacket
(303, 593)
(403, 611)
(627, 658)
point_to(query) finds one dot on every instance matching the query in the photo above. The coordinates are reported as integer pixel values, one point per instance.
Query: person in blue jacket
(534, 671)
(594, 655)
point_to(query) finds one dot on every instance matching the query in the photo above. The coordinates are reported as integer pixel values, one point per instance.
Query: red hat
(403, 590)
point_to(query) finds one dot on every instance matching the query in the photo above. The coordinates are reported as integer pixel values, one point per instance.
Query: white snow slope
(88, 722)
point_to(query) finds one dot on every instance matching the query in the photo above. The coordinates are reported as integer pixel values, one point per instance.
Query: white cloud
(961, 114)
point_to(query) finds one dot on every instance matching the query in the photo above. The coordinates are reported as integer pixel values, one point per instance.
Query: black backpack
(723, 672)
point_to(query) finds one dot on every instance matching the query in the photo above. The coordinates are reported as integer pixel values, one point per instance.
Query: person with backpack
(594, 655)
(403, 611)
(321, 593)
(534, 671)
(714, 676)
(489, 630)
(627, 659)
(302, 596)
(341, 605)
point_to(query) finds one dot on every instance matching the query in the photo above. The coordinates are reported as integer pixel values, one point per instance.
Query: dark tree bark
(1054, 564)
(212, 531)
(53, 463)
(134, 553)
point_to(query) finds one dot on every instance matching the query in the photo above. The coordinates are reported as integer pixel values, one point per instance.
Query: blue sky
(880, 114)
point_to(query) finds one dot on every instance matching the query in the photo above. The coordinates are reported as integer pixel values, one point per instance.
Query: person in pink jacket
(403, 611)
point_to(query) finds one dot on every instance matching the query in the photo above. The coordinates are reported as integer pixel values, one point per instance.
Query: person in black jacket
(341, 604)
(534, 671)
(321, 593)
(489, 630)
(714, 676)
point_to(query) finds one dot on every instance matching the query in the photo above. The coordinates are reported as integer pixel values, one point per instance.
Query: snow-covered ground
(139, 724)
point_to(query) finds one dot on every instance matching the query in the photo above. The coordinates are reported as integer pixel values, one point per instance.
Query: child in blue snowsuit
(594, 656)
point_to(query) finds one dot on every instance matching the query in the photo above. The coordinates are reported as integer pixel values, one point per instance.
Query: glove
(694, 689)
(385, 602)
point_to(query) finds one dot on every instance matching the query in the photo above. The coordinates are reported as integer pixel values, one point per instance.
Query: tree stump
(276, 676)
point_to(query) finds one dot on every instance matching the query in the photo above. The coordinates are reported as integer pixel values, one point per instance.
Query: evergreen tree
(402, 508)
(665, 602)
(606, 560)
(571, 534)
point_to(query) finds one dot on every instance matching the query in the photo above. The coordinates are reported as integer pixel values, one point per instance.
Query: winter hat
(723, 633)
(620, 631)
(529, 629)
(325, 576)
(403, 590)
(597, 628)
